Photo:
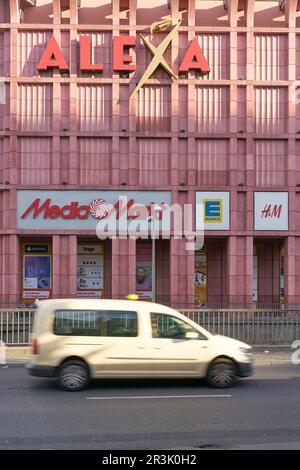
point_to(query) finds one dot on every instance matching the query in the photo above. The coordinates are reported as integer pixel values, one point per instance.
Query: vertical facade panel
(4, 11)
(94, 161)
(298, 56)
(35, 107)
(65, 106)
(1, 160)
(241, 108)
(271, 52)
(153, 161)
(241, 160)
(241, 56)
(153, 109)
(31, 45)
(212, 109)
(271, 106)
(211, 161)
(270, 162)
(215, 48)
(183, 107)
(124, 107)
(124, 161)
(94, 108)
(4, 106)
(297, 106)
(35, 160)
(297, 165)
(183, 160)
(2, 53)
(64, 159)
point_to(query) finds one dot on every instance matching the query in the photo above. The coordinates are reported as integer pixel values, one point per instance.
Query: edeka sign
(212, 210)
(83, 210)
(193, 59)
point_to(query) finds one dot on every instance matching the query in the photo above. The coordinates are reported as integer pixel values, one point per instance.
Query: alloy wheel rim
(73, 377)
(223, 375)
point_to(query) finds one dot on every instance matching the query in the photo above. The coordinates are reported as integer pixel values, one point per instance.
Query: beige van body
(87, 339)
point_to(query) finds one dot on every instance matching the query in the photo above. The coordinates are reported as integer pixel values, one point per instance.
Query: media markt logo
(213, 210)
(99, 208)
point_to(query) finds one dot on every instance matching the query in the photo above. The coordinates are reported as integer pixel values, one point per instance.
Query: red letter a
(52, 57)
(194, 59)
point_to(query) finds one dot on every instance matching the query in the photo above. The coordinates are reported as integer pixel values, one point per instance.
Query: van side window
(167, 326)
(95, 323)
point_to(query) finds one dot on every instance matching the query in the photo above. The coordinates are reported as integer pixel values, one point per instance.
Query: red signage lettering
(75, 211)
(121, 61)
(52, 57)
(85, 55)
(194, 59)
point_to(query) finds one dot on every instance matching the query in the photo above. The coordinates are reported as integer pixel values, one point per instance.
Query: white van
(76, 340)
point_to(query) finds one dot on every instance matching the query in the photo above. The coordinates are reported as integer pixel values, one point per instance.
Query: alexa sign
(122, 60)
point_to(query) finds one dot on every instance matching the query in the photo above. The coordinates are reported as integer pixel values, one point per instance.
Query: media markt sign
(194, 59)
(83, 210)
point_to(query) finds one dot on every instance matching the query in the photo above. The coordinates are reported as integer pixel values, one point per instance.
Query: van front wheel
(73, 376)
(222, 373)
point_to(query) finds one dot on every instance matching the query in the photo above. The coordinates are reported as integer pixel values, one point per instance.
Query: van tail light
(35, 346)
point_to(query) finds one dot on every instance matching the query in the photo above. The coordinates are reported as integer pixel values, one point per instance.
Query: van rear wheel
(73, 376)
(222, 373)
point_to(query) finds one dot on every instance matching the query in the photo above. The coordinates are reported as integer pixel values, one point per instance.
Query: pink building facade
(230, 137)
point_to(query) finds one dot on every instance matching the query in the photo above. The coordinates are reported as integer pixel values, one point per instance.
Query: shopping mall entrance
(268, 272)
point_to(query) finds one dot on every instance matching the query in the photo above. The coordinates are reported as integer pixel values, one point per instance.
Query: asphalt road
(261, 412)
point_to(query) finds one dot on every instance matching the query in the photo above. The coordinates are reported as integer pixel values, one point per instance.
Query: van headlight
(245, 350)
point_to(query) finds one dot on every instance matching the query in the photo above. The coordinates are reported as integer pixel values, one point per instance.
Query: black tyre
(222, 373)
(73, 376)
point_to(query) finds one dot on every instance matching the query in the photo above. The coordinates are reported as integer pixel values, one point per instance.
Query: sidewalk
(263, 355)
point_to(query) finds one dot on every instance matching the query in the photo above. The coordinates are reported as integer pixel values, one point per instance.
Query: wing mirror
(192, 335)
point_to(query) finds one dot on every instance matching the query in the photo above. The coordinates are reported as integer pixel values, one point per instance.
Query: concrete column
(290, 261)
(239, 270)
(10, 271)
(64, 269)
(56, 266)
(123, 267)
(181, 275)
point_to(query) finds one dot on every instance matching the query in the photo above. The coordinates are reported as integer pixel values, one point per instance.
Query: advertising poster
(90, 271)
(144, 270)
(36, 271)
(201, 278)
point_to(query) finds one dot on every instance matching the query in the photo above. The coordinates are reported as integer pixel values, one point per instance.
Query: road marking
(155, 397)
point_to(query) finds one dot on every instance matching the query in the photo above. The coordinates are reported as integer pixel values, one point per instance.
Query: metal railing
(16, 326)
(257, 327)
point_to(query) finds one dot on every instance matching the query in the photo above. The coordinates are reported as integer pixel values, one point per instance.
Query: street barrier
(257, 327)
